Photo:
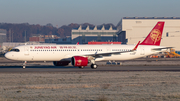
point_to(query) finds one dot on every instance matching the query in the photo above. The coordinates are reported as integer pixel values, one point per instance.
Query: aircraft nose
(8, 56)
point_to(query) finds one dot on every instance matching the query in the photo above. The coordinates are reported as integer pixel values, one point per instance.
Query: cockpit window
(15, 50)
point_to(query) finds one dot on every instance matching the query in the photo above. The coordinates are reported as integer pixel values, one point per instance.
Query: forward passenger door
(26, 50)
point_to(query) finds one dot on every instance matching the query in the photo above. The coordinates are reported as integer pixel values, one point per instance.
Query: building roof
(101, 27)
(3, 34)
(3, 31)
(151, 18)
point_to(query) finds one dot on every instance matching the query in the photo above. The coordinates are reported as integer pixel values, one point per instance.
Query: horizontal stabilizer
(158, 49)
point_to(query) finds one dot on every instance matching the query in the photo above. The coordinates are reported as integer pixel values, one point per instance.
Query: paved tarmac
(41, 69)
(159, 64)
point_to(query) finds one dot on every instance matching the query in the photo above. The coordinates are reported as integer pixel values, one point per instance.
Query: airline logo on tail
(154, 37)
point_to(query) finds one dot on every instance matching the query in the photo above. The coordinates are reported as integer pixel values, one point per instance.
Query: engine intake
(79, 61)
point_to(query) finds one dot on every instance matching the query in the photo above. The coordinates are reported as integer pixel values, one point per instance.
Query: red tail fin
(154, 37)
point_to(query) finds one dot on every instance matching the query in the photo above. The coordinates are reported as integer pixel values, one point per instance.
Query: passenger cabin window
(15, 50)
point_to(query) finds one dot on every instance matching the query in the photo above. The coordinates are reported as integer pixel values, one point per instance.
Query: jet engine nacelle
(61, 63)
(79, 61)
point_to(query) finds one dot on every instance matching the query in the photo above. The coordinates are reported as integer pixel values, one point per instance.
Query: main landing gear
(94, 66)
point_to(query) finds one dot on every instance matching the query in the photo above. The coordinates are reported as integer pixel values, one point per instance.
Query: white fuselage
(61, 52)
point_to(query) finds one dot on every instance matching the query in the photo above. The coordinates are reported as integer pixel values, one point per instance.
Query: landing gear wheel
(24, 64)
(94, 66)
(81, 67)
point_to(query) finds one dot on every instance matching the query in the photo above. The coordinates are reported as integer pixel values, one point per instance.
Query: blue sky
(64, 12)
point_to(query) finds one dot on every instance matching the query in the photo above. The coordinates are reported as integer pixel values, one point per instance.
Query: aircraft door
(142, 51)
(26, 50)
(108, 49)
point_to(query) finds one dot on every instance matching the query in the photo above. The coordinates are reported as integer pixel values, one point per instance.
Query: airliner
(82, 55)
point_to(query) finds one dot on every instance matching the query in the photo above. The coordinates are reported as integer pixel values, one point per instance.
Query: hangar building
(83, 35)
(2, 38)
(134, 29)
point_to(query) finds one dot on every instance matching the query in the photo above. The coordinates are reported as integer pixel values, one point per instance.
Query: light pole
(25, 37)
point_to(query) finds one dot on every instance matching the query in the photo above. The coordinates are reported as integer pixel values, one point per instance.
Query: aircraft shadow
(63, 67)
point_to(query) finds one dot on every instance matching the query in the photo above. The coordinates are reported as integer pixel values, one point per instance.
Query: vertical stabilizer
(154, 37)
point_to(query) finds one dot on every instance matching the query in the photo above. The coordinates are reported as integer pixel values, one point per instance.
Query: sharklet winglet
(77, 43)
(136, 46)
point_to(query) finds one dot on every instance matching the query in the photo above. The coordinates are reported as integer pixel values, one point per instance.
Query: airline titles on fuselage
(54, 47)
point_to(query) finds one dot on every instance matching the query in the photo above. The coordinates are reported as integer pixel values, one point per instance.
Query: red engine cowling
(61, 63)
(79, 61)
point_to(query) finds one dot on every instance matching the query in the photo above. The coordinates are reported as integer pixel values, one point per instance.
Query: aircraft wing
(96, 55)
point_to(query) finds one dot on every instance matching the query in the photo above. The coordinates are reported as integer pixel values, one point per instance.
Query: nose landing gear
(24, 64)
